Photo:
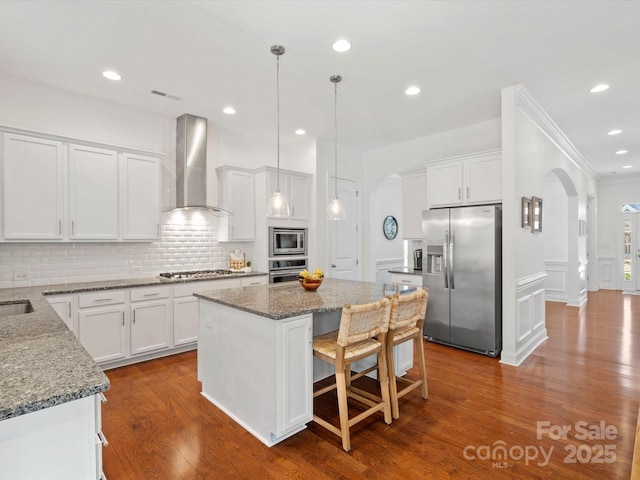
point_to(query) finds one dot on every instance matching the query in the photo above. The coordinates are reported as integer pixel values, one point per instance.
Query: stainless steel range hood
(191, 165)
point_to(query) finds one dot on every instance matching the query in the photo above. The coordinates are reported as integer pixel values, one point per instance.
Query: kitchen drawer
(105, 297)
(406, 279)
(255, 280)
(149, 293)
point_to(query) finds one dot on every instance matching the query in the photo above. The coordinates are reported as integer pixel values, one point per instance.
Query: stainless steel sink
(15, 308)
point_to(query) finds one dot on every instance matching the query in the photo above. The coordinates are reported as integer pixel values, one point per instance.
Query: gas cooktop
(195, 274)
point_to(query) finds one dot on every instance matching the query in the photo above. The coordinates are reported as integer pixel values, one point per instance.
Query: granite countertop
(406, 271)
(42, 363)
(284, 300)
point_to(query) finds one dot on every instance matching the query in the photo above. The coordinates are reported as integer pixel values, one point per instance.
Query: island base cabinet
(257, 370)
(57, 442)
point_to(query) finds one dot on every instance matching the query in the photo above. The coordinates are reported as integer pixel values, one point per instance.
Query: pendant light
(335, 210)
(278, 206)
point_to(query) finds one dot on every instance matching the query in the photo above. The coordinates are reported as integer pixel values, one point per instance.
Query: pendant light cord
(335, 110)
(278, 123)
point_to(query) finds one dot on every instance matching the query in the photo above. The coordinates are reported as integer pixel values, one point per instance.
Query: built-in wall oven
(286, 270)
(287, 241)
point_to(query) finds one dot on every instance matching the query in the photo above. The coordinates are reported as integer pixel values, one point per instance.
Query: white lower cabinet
(122, 326)
(150, 327)
(295, 364)
(407, 279)
(101, 330)
(185, 306)
(60, 442)
(150, 319)
(185, 320)
(64, 307)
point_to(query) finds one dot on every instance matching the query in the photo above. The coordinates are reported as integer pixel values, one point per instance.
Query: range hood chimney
(191, 165)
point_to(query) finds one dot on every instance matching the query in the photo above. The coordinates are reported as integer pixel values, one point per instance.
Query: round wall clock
(390, 227)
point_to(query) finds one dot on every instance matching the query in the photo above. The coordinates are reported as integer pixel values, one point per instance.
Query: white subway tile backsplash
(182, 246)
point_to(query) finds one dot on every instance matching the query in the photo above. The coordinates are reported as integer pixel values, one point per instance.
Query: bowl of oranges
(311, 281)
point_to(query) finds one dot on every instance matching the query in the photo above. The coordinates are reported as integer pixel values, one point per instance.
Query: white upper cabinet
(414, 201)
(296, 188)
(55, 189)
(468, 180)
(93, 193)
(33, 188)
(140, 187)
(236, 193)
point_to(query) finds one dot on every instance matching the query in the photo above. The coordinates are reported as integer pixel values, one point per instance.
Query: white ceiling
(211, 54)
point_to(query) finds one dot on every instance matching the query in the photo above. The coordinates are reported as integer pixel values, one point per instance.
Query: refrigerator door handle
(444, 256)
(452, 244)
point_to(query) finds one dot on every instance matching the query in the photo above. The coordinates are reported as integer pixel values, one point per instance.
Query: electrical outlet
(21, 276)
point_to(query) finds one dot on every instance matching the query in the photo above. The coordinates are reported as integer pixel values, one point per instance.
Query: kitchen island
(255, 358)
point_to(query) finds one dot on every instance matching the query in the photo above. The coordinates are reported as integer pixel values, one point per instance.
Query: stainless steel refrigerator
(462, 266)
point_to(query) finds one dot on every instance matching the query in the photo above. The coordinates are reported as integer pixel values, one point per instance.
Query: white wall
(532, 147)
(555, 227)
(411, 155)
(350, 167)
(185, 244)
(612, 193)
(386, 199)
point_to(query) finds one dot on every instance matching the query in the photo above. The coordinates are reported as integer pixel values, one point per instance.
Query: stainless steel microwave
(287, 241)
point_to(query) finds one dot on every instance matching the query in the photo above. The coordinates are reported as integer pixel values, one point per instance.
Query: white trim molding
(607, 273)
(530, 324)
(541, 119)
(556, 284)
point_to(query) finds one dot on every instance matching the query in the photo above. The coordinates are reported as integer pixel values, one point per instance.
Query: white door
(344, 235)
(628, 233)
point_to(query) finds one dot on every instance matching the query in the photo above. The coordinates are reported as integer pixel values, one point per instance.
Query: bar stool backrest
(360, 322)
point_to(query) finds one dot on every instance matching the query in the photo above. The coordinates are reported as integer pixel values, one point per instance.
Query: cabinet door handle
(59, 227)
(103, 299)
(134, 316)
(151, 294)
(333, 265)
(123, 318)
(73, 227)
(467, 193)
(69, 308)
(293, 209)
(459, 193)
(102, 439)
(103, 399)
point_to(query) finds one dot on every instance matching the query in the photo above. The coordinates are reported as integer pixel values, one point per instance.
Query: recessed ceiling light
(599, 88)
(111, 75)
(626, 166)
(615, 132)
(412, 90)
(229, 110)
(341, 45)
(621, 152)
(300, 132)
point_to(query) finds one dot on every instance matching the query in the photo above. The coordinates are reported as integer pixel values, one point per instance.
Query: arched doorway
(565, 239)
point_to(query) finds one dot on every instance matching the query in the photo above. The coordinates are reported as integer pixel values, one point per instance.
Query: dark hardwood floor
(160, 427)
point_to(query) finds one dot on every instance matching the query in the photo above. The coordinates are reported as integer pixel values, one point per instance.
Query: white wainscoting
(531, 329)
(608, 273)
(383, 267)
(555, 287)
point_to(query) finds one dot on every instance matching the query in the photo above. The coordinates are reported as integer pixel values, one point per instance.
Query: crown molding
(532, 109)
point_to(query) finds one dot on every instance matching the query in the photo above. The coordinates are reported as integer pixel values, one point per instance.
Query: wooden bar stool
(362, 332)
(405, 324)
